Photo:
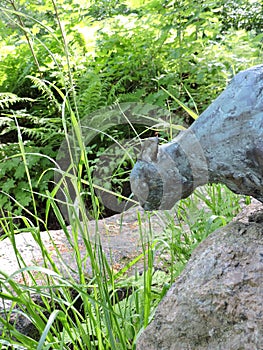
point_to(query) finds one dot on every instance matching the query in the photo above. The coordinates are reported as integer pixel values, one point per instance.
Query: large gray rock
(217, 302)
(225, 144)
(120, 238)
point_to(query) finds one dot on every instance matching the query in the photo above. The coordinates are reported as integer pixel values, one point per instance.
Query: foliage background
(97, 53)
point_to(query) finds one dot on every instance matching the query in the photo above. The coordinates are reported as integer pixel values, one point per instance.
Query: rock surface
(217, 302)
(121, 243)
(119, 236)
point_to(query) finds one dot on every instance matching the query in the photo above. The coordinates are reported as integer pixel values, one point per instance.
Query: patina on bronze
(224, 145)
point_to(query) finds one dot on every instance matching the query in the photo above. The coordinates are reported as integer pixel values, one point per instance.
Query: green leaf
(20, 171)
(187, 109)
(8, 185)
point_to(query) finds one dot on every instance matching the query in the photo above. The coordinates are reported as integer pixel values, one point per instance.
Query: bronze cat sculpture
(224, 145)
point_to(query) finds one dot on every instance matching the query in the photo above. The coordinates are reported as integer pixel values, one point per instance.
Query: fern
(132, 96)
(8, 99)
(5, 121)
(41, 130)
(43, 86)
(118, 87)
(91, 93)
(95, 92)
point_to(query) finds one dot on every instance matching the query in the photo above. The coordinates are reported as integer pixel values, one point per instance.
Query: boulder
(121, 243)
(217, 302)
(119, 237)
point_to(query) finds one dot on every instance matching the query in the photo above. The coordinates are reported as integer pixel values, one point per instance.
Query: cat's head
(147, 185)
(155, 179)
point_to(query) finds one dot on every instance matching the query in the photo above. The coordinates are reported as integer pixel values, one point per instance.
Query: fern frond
(38, 134)
(7, 99)
(118, 87)
(91, 93)
(131, 96)
(43, 86)
(43, 130)
(5, 121)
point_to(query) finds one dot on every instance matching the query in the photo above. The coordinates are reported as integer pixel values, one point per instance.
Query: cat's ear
(149, 150)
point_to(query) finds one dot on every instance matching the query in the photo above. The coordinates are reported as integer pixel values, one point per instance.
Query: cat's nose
(146, 206)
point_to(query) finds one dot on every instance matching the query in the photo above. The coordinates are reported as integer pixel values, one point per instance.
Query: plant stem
(22, 26)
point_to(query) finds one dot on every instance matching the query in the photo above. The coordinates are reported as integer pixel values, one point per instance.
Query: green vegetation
(95, 54)
(61, 62)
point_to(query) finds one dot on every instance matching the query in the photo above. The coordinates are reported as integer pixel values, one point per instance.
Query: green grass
(106, 310)
(115, 307)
